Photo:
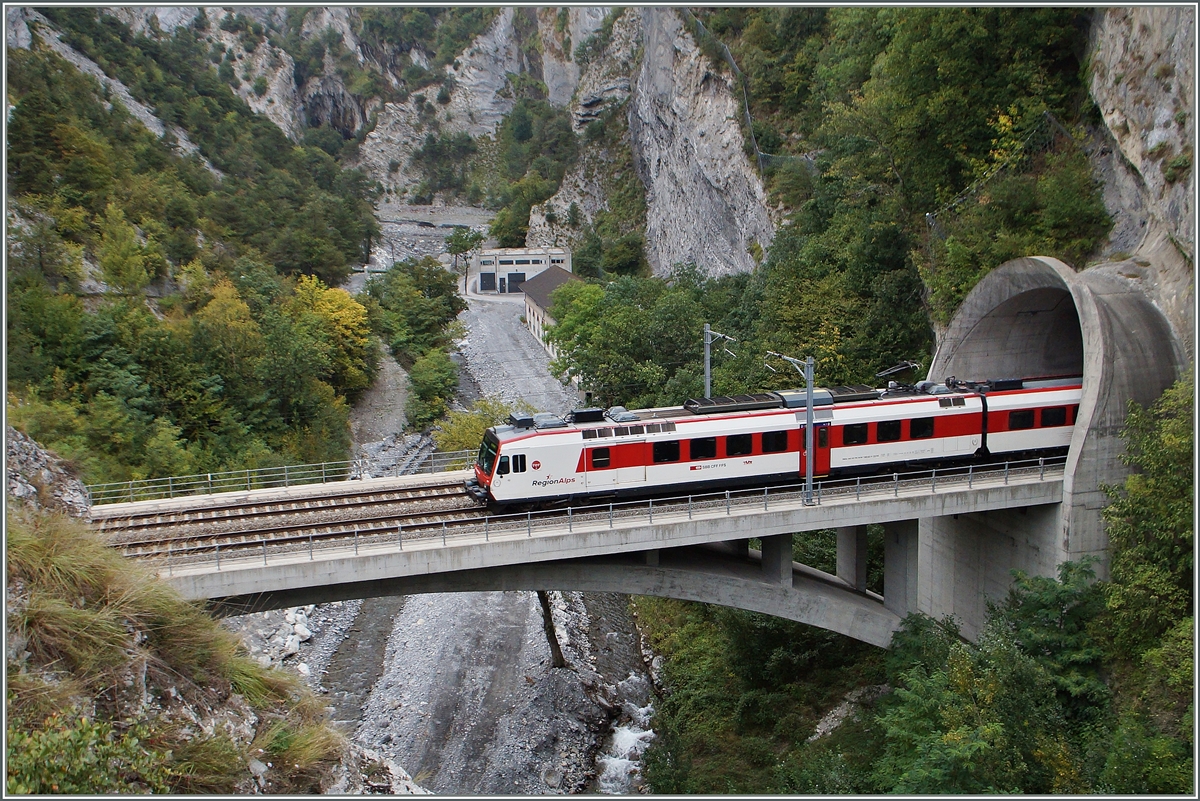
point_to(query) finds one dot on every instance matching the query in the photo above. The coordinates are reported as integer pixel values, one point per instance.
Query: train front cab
(485, 463)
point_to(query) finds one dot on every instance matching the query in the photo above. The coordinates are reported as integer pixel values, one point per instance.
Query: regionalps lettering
(537, 482)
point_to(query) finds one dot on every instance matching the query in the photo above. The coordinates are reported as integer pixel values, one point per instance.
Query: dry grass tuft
(86, 615)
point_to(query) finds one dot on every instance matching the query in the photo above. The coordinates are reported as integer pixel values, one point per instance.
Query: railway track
(116, 525)
(182, 537)
(394, 526)
(277, 521)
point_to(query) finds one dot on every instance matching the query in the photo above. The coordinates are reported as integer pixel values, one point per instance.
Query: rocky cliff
(604, 87)
(1142, 81)
(705, 204)
(704, 201)
(519, 41)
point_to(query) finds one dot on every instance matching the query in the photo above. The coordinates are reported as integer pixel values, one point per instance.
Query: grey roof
(539, 287)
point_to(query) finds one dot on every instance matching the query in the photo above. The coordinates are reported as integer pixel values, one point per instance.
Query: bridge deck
(514, 541)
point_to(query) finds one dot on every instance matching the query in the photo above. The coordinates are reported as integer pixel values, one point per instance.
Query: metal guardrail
(529, 523)
(260, 478)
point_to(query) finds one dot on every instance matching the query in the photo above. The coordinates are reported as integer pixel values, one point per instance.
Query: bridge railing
(257, 478)
(636, 512)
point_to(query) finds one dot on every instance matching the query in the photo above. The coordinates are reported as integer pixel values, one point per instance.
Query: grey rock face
(704, 202)
(1142, 81)
(40, 479)
(482, 93)
(606, 83)
(560, 72)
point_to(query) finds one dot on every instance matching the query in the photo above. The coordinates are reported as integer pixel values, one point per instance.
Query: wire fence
(715, 48)
(1047, 135)
(259, 478)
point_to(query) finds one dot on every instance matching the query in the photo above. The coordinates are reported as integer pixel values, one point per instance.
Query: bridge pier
(900, 566)
(852, 556)
(967, 560)
(777, 559)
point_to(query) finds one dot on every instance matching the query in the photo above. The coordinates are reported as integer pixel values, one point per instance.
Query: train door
(610, 467)
(820, 450)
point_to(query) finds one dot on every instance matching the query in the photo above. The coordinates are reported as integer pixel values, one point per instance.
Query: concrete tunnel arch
(1037, 316)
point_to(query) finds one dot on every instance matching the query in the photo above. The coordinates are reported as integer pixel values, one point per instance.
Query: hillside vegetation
(1074, 686)
(165, 318)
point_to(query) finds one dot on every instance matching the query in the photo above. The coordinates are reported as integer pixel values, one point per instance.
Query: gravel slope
(506, 359)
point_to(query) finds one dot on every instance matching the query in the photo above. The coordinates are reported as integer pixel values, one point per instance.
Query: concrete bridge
(949, 547)
(694, 549)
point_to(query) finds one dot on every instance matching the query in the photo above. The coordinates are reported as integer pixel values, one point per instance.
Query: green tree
(1149, 523)
(434, 378)
(461, 242)
(344, 330)
(122, 260)
(463, 430)
(1050, 620)
(986, 720)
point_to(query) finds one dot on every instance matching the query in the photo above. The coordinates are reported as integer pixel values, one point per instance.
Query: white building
(503, 270)
(537, 302)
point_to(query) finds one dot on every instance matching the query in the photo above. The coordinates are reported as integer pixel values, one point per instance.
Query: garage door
(487, 282)
(514, 281)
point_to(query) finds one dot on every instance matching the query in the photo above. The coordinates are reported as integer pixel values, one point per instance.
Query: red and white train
(720, 442)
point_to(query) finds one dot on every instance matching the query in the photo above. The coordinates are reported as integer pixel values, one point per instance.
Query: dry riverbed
(457, 689)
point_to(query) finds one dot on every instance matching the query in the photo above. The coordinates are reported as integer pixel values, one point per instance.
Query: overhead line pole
(805, 368)
(711, 336)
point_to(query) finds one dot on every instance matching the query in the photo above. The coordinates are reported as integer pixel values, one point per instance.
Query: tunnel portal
(1030, 317)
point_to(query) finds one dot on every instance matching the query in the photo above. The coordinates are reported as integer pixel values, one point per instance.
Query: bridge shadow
(726, 574)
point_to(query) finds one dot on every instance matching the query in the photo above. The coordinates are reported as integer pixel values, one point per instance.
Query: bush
(83, 756)
(434, 379)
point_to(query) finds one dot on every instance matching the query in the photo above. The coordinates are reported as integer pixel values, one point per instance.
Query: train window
(945, 403)
(822, 437)
(739, 444)
(774, 441)
(502, 468)
(959, 401)
(855, 434)
(653, 428)
(487, 456)
(921, 428)
(621, 431)
(1056, 416)
(635, 429)
(1020, 420)
(600, 457)
(668, 426)
(666, 451)
(604, 432)
(703, 448)
(518, 463)
(888, 431)
(589, 433)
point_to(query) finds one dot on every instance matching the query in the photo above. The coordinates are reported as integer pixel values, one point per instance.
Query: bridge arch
(708, 574)
(1037, 316)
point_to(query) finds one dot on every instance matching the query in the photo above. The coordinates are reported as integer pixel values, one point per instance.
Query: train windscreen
(487, 453)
